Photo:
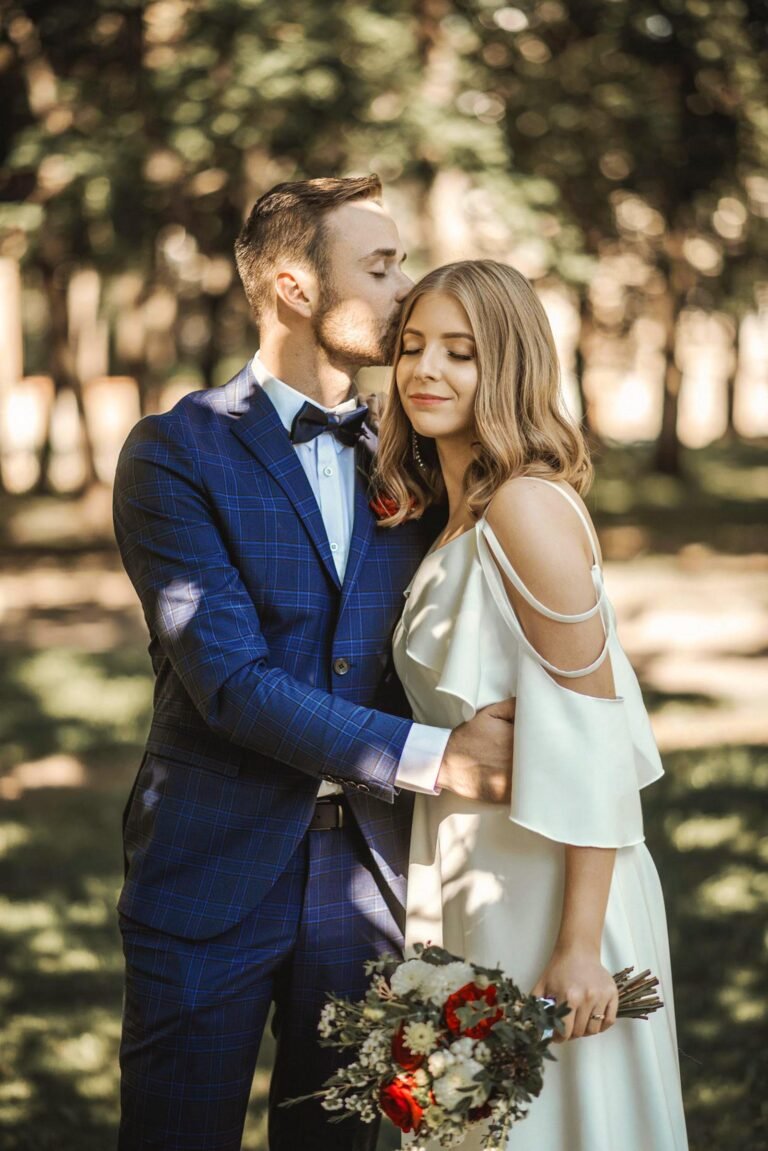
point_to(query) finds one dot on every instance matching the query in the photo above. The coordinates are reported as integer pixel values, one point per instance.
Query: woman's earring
(416, 452)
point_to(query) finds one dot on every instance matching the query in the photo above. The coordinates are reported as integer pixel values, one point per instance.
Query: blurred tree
(138, 133)
(649, 120)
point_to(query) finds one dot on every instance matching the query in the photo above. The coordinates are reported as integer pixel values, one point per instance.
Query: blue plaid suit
(268, 671)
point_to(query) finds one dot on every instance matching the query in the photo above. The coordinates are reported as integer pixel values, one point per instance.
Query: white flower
(482, 1052)
(443, 981)
(464, 1047)
(410, 976)
(375, 1014)
(374, 1048)
(327, 1020)
(420, 1077)
(420, 1038)
(439, 1062)
(449, 1088)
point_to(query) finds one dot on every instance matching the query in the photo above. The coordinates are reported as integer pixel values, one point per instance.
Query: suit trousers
(195, 1010)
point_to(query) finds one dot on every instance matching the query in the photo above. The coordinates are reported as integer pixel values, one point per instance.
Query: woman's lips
(427, 401)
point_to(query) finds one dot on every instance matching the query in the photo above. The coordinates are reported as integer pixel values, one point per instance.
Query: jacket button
(341, 666)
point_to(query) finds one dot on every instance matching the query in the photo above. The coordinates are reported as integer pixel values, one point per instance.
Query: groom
(266, 836)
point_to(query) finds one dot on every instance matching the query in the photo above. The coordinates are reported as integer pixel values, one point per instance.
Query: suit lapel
(259, 429)
(364, 521)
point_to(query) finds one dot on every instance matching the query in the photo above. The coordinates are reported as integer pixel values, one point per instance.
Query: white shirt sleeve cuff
(421, 759)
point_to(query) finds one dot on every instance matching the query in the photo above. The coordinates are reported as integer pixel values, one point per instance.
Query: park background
(617, 153)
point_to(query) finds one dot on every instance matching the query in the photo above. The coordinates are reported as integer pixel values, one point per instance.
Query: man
(266, 836)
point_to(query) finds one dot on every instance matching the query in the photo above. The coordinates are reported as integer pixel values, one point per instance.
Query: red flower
(479, 1112)
(398, 1104)
(384, 506)
(402, 1053)
(471, 993)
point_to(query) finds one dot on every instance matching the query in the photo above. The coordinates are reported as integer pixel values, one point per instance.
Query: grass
(75, 694)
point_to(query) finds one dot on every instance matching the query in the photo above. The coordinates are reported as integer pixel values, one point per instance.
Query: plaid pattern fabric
(223, 540)
(195, 1009)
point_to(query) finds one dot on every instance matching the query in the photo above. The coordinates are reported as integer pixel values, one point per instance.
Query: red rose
(402, 1053)
(384, 506)
(398, 1104)
(476, 1113)
(471, 993)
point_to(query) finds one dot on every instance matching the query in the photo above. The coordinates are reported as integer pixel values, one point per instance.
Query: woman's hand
(577, 976)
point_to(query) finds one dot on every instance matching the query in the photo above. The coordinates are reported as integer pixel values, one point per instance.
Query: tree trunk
(666, 458)
(586, 329)
(730, 433)
(64, 376)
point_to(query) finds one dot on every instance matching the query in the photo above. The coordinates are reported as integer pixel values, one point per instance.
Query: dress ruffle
(579, 760)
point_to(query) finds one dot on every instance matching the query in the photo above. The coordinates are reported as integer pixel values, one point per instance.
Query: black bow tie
(312, 421)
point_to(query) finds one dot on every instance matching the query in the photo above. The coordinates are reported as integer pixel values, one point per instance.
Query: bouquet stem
(637, 997)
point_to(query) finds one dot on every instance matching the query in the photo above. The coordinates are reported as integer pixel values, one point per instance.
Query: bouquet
(441, 1045)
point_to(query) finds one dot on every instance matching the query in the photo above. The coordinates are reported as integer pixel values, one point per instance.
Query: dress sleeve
(575, 776)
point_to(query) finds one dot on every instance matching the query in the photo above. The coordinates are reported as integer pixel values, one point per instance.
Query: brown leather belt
(329, 813)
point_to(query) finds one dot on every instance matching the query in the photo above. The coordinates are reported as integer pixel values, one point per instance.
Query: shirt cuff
(421, 759)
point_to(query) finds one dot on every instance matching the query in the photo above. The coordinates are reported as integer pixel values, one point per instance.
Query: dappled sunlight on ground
(691, 592)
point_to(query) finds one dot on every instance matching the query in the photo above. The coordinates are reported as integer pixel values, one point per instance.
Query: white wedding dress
(487, 883)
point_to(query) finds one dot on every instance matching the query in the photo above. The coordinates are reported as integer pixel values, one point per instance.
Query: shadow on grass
(61, 980)
(718, 501)
(704, 822)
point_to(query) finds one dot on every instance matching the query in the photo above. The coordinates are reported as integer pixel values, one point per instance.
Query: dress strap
(504, 563)
(493, 558)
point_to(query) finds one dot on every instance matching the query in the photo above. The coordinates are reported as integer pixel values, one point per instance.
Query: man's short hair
(287, 224)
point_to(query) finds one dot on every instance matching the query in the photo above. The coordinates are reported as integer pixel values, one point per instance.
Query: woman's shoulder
(543, 527)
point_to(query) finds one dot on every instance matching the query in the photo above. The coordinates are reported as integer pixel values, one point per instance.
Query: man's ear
(295, 289)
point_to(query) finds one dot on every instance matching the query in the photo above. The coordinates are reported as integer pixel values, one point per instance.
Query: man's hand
(478, 758)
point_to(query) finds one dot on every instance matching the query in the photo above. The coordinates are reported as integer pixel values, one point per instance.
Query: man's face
(361, 301)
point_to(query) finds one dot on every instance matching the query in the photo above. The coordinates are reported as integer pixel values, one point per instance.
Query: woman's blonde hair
(521, 425)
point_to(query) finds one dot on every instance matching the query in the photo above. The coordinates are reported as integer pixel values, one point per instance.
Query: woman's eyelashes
(451, 355)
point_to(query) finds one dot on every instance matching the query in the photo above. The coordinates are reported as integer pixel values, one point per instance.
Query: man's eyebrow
(443, 335)
(386, 253)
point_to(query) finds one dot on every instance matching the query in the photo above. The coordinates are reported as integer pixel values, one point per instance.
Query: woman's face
(436, 373)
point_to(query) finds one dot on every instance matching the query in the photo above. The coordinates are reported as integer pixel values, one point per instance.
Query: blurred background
(615, 152)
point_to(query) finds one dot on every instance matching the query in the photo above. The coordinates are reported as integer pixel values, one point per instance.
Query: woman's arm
(548, 546)
(574, 972)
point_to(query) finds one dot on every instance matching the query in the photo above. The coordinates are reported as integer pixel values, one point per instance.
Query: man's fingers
(505, 709)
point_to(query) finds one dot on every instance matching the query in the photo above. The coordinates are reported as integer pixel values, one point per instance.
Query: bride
(560, 890)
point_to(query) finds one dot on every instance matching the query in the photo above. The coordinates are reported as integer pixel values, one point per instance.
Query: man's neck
(307, 370)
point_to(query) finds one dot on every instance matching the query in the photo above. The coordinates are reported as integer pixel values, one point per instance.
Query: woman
(560, 891)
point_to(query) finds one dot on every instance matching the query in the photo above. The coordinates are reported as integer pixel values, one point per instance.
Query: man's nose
(404, 287)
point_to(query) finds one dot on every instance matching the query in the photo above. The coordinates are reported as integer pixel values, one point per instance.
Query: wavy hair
(521, 425)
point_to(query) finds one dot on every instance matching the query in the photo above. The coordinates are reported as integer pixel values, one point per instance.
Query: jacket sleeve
(207, 624)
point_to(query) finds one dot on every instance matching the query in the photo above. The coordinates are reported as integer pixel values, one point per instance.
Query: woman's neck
(455, 457)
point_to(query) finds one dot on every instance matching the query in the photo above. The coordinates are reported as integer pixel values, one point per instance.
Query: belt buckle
(323, 809)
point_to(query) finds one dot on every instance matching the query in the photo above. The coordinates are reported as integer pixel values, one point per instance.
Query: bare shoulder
(544, 538)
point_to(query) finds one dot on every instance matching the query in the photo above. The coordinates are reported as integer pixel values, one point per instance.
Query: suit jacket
(268, 668)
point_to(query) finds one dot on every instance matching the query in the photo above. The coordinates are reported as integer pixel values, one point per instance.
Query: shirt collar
(286, 400)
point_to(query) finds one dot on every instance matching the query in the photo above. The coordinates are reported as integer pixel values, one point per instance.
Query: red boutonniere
(384, 506)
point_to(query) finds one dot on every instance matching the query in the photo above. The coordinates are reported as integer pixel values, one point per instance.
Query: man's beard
(356, 347)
